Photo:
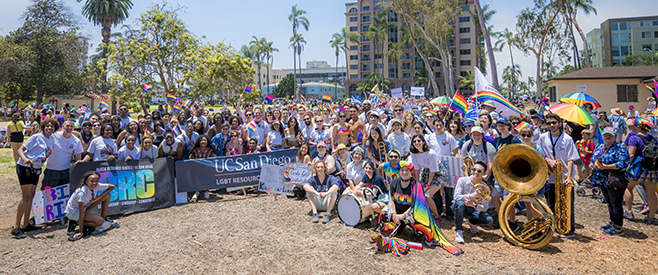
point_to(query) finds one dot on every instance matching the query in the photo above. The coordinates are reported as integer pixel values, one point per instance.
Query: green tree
(346, 36)
(507, 38)
(487, 39)
(336, 42)
(47, 51)
(377, 33)
(218, 69)
(569, 9)
(286, 88)
(106, 13)
(297, 19)
(297, 42)
(643, 59)
(408, 36)
(511, 75)
(370, 81)
(258, 48)
(467, 82)
(395, 53)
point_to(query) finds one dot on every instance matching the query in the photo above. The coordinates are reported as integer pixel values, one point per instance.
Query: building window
(464, 62)
(465, 30)
(627, 93)
(354, 57)
(365, 67)
(645, 23)
(353, 87)
(552, 95)
(615, 51)
(406, 56)
(647, 46)
(379, 66)
(354, 76)
(365, 48)
(406, 66)
(392, 17)
(406, 75)
(365, 8)
(465, 41)
(646, 35)
(365, 57)
(365, 19)
(353, 10)
(364, 38)
(437, 74)
(378, 7)
(655, 22)
(451, 42)
(354, 19)
(354, 48)
(378, 56)
(392, 75)
(464, 19)
(655, 34)
(354, 28)
(364, 76)
(466, 8)
(463, 73)
(625, 50)
(354, 67)
(465, 52)
(365, 28)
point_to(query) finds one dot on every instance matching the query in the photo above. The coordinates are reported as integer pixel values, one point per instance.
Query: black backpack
(649, 153)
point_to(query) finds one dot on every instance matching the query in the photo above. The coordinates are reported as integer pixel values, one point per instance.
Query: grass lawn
(6, 161)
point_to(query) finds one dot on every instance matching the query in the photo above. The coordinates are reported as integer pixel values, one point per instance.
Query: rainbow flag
(177, 107)
(459, 104)
(599, 135)
(269, 98)
(171, 97)
(497, 98)
(598, 165)
(326, 98)
(523, 124)
(188, 103)
(148, 87)
(340, 109)
(302, 97)
(655, 90)
(252, 127)
(486, 91)
(434, 113)
(211, 110)
(248, 89)
(103, 104)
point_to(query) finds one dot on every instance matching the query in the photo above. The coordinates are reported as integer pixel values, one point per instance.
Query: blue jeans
(475, 217)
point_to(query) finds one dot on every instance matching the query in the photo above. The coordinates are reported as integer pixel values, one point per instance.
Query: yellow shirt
(18, 127)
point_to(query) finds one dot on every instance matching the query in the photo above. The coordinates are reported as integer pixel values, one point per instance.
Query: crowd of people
(387, 147)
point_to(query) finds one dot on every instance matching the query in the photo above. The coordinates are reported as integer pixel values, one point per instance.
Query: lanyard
(554, 142)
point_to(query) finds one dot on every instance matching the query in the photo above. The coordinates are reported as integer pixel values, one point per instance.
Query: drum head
(349, 210)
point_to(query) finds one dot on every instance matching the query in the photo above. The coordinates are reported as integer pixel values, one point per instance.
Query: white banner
(417, 91)
(454, 167)
(271, 180)
(502, 104)
(397, 92)
(50, 203)
(296, 173)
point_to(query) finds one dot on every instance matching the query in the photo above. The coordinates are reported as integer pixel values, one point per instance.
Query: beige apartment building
(619, 37)
(364, 59)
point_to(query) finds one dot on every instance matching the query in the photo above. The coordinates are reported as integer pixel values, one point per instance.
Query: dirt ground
(236, 234)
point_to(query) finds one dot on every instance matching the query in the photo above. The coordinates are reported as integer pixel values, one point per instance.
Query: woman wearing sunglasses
(464, 204)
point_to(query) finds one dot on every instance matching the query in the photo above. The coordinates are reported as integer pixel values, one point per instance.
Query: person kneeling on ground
(321, 191)
(83, 200)
(464, 204)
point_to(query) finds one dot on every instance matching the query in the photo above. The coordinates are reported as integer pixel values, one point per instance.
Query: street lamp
(652, 54)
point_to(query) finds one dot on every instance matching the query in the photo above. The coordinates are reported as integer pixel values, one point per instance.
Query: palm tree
(297, 18)
(346, 36)
(395, 53)
(507, 38)
(258, 47)
(487, 39)
(269, 59)
(336, 43)
(106, 13)
(467, 81)
(297, 42)
(480, 57)
(377, 32)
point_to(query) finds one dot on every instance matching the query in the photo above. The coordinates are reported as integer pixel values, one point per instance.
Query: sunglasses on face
(552, 123)
(248, 114)
(399, 110)
(526, 135)
(544, 130)
(478, 171)
(515, 123)
(394, 157)
(234, 136)
(418, 141)
(342, 116)
(318, 121)
(97, 125)
(169, 137)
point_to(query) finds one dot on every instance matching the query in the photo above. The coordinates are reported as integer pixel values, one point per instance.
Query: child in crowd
(585, 148)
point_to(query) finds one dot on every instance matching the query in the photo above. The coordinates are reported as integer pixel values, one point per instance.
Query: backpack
(470, 145)
(650, 154)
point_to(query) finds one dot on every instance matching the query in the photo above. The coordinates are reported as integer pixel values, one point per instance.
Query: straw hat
(617, 111)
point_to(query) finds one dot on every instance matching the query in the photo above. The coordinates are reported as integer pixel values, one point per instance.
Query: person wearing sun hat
(652, 104)
(490, 107)
(616, 118)
(632, 113)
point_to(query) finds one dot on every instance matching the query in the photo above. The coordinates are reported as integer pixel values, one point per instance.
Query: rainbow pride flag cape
(421, 220)
(103, 104)
(326, 98)
(459, 104)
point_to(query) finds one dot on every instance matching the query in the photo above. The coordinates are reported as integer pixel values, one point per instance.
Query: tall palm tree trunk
(513, 71)
(105, 32)
(300, 69)
(268, 71)
(294, 71)
(487, 39)
(588, 62)
(335, 80)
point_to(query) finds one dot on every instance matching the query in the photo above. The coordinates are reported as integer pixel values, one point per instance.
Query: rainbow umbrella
(442, 101)
(580, 99)
(572, 112)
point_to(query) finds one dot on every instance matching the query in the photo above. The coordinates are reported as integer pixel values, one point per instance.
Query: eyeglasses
(169, 137)
(319, 121)
(552, 123)
(394, 157)
(248, 114)
(399, 110)
(342, 116)
(478, 171)
(234, 136)
(515, 123)
(526, 135)
(87, 125)
(544, 130)
(97, 125)
(418, 141)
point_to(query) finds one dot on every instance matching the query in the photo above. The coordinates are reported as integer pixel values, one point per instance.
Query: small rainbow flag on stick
(177, 107)
(171, 97)
(434, 113)
(103, 104)
(459, 104)
(211, 110)
(188, 103)
(269, 98)
(522, 124)
(598, 165)
(248, 89)
(148, 87)
(302, 97)
(326, 98)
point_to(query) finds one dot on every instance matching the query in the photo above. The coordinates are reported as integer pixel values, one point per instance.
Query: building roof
(320, 84)
(640, 72)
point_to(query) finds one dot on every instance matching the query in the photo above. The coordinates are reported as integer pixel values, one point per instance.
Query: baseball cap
(502, 120)
(608, 130)
(477, 129)
(469, 123)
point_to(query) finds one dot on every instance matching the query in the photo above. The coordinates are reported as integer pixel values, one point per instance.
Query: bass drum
(353, 210)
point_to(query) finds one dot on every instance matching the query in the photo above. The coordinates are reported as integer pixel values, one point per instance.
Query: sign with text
(296, 173)
(228, 171)
(453, 166)
(397, 92)
(271, 180)
(50, 203)
(581, 88)
(417, 91)
(140, 185)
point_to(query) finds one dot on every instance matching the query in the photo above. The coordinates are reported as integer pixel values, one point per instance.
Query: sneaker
(71, 228)
(30, 227)
(628, 214)
(97, 231)
(206, 195)
(568, 236)
(612, 231)
(113, 224)
(644, 210)
(607, 226)
(315, 218)
(18, 233)
(459, 236)
(326, 218)
(651, 221)
(474, 229)
(195, 197)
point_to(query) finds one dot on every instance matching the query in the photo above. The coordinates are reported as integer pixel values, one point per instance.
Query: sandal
(73, 237)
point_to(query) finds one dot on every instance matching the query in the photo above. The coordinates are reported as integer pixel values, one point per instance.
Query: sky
(236, 22)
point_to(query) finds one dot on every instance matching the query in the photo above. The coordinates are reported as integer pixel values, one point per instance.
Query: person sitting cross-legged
(464, 204)
(321, 191)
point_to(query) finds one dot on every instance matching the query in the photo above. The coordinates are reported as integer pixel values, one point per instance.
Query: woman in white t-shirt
(129, 151)
(148, 150)
(84, 199)
(427, 162)
(103, 147)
